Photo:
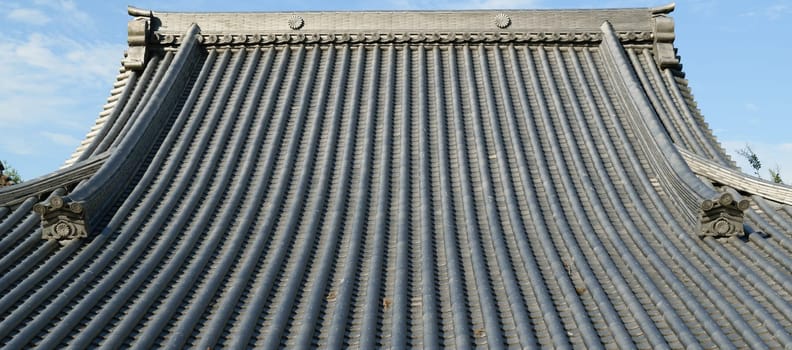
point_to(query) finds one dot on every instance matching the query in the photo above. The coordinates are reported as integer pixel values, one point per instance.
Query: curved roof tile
(252, 188)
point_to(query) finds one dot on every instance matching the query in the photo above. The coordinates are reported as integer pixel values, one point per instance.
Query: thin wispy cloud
(772, 12)
(49, 59)
(36, 51)
(28, 16)
(778, 11)
(61, 138)
(67, 9)
(45, 78)
(48, 72)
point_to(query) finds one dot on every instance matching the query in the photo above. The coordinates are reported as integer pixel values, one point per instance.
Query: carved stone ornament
(723, 216)
(664, 36)
(138, 30)
(502, 20)
(60, 222)
(296, 22)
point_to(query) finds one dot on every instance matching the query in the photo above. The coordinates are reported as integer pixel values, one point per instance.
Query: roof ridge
(441, 26)
(636, 99)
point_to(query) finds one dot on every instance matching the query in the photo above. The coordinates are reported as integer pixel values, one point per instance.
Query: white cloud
(41, 12)
(751, 107)
(778, 11)
(28, 16)
(51, 90)
(67, 9)
(772, 12)
(56, 59)
(35, 52)
(55, 79)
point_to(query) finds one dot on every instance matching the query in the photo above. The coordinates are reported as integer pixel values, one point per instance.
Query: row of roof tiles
(399, 195)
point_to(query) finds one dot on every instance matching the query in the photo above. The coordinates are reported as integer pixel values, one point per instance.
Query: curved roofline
(454, 194)
(61, 178)
(718, 173)
(86, 203)
(637, 100)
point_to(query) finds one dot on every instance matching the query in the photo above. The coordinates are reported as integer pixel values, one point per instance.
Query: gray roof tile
(501, 191)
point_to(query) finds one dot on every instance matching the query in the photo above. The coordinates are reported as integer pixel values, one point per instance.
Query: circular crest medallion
(502, 20)
(296, 22)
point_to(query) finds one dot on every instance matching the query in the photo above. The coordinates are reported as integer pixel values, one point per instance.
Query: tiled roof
(393, 179)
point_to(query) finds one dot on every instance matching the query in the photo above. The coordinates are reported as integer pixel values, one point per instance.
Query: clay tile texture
(444, 179)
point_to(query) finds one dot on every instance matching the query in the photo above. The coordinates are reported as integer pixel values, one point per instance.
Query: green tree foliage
(775, 175)
(10, 173)
(752, 158)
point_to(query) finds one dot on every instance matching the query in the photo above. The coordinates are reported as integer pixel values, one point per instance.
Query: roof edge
(721, 174)
(712, 221)
(126, 81)
(533, 25)
(75, 216)
(636, 99)
(65, 177)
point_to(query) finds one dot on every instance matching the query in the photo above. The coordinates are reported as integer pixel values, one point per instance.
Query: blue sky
(59, 59)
